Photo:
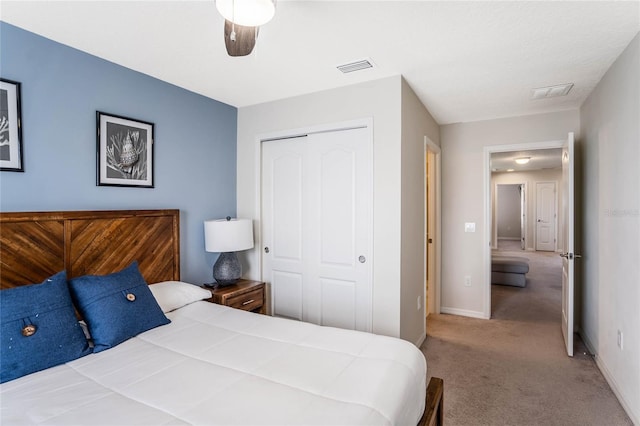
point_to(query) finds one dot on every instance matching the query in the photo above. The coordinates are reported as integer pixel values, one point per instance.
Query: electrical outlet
(620, 340)
(419, 302)
(467, 280)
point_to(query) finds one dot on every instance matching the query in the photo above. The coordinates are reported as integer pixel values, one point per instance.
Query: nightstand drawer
(247, 301)
(245, 294)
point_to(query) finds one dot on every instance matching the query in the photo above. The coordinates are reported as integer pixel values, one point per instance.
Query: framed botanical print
(125, 151)
(10, 127)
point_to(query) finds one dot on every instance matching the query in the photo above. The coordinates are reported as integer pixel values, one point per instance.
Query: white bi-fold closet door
(317, 200)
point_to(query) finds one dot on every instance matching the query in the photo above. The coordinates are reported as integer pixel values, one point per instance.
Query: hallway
(513, 369)
(541, 298)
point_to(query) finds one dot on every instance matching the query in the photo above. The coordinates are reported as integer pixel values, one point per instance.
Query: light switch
(470, 227)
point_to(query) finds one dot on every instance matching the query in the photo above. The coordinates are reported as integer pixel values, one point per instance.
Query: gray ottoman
(509, 270)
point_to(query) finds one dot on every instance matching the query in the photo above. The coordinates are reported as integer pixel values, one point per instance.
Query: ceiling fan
(242, 21)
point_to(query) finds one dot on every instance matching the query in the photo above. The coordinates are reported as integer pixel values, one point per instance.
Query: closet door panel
(338, 301)
(282, 225)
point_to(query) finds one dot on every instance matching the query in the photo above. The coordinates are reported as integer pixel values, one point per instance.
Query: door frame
(431, 147)
(488, 150)
(365, 122)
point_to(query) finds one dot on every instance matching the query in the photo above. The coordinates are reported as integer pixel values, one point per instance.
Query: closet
(317, 221)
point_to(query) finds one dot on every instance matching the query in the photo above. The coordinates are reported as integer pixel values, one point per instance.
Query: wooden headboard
(34, 246)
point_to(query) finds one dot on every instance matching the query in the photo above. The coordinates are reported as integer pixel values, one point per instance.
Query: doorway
(510, 214)
(526, 151)
(432, 227)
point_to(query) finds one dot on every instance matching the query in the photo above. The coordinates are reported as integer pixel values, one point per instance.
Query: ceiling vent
(356, 66)
(551, 91)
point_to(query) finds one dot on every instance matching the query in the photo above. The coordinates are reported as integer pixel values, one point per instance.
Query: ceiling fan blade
(244, 42)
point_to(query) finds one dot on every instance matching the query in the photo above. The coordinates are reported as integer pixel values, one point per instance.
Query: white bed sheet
(214, 365)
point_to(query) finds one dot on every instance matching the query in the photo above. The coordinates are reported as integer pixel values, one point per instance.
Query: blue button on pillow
(39, 328)
(117, 306)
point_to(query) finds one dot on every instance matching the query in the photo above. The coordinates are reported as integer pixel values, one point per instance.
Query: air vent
(551, 91)
(356, 66)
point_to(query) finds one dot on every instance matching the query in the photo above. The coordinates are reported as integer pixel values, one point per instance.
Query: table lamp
(227, 236)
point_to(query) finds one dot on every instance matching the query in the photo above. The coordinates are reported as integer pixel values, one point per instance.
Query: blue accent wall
(62, 88)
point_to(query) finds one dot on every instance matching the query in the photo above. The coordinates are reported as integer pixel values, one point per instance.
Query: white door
(283, 198)
(523, 223)
(568, 255)
(545, 216)
(317, 227)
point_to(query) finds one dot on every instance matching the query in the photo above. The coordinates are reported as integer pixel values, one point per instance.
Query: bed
(210, 364)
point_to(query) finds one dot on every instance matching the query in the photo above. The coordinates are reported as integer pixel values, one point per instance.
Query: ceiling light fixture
(523, 160)
(510, 170)
(243, 19)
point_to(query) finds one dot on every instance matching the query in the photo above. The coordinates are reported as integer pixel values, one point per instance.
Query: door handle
(430, 240)
(570, 256)
(362, 259)
(266, 250)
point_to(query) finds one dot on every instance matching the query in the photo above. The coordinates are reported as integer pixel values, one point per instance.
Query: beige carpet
(513, 369)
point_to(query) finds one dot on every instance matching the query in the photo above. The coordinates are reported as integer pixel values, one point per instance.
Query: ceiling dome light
(510, 170)
(523, 160)
(249, 13)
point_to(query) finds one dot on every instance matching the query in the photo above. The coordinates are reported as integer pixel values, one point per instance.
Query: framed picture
(10, 127)
(125, 151)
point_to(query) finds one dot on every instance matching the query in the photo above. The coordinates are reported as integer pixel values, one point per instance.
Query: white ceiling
(466, 61)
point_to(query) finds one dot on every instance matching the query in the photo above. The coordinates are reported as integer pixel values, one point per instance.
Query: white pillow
(172, 295)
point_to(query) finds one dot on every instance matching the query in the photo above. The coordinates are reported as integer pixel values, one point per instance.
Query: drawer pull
(247, 302)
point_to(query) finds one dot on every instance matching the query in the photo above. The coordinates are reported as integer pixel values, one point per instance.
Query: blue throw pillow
(39, 328)
(117, 306)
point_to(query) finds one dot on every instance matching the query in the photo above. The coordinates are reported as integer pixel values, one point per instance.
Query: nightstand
(246, 295)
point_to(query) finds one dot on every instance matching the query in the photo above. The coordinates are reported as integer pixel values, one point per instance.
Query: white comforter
(215, 365)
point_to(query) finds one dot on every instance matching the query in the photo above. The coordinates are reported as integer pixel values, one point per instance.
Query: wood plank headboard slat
(36, 245)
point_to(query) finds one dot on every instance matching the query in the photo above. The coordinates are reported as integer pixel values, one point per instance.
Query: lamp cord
(232, 36)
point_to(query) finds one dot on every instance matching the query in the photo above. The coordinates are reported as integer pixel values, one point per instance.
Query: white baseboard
(462, 312)
(635, 417)
(421, 340)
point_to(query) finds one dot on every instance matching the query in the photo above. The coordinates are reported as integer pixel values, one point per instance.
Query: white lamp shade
(250, 13)
(222, 236)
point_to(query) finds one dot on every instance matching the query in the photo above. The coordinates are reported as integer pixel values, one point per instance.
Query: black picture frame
(124, 151)
(11, 156)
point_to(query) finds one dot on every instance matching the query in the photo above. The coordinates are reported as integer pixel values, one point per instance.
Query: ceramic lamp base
(227, 269)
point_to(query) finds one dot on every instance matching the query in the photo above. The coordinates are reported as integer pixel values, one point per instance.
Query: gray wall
(463, 197)
(382, 101)
(417, 123)
(195, 141)
(379, 100)
(610, 145)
